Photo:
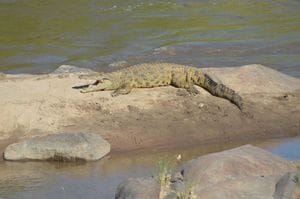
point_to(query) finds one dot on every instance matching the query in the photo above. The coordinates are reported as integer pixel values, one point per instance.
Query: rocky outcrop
(239, 162)
(36, 105)
(245, 172)
(60, 147)
(71, 69)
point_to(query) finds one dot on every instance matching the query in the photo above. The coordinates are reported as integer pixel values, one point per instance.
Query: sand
(36, 105)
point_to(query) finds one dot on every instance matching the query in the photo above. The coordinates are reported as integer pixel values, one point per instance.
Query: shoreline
(37, 105)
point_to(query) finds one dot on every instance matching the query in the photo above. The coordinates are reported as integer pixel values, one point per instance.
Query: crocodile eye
(97, 82)
(100, 81)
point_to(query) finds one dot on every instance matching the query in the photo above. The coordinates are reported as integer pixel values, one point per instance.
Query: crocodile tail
(220, 90)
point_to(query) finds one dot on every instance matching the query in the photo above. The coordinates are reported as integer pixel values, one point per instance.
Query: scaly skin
(161, 74)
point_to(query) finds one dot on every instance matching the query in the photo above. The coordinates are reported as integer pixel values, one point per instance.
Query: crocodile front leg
(90, 88)
(121, 91)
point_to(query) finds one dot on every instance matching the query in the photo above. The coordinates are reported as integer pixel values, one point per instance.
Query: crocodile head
(101, 84)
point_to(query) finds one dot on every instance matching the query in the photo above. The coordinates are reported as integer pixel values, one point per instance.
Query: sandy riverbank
(34, 105)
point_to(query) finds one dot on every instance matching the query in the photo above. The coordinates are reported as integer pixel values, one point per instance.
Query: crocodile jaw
(99, 85)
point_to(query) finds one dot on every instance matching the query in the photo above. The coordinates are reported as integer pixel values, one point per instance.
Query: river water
(38, 36)
(36, 180)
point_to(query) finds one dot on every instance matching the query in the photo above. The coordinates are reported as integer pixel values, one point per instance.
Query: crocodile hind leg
(191, 89)
(181, 81)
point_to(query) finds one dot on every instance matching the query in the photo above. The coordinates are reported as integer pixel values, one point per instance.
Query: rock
(136, 188)
(118, 64)
(165, 50)
(60, 147)
(286, 186)
(246, 172)
(246, 187)
(41, 104)
(243, 172)
(201, 105)
(71, 69)
(255, 78)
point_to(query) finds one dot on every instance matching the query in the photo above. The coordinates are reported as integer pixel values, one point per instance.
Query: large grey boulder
(61, 147)
(250, 187)
(243, 172)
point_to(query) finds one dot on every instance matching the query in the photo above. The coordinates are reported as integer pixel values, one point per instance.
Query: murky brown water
(30, 180)
(38, 36)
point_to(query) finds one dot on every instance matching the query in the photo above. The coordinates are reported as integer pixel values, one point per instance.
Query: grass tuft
(164, 177)
(166, 168)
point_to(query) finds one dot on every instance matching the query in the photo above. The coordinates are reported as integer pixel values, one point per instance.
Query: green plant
(166, 167)
(164, 177)
(188, 193)
(297, 181)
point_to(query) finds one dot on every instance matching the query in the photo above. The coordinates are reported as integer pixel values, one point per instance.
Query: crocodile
(150, 75)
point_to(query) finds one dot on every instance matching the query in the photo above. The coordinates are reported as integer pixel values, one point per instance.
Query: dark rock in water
(59, 147)
(142, 188)
(286, 186)
(118, 64)
(71, 69)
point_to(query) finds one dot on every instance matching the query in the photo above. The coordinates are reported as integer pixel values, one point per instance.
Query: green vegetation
(164, 177)
(166, 168)
(188, 193)
(298, 186)
(297, 180)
